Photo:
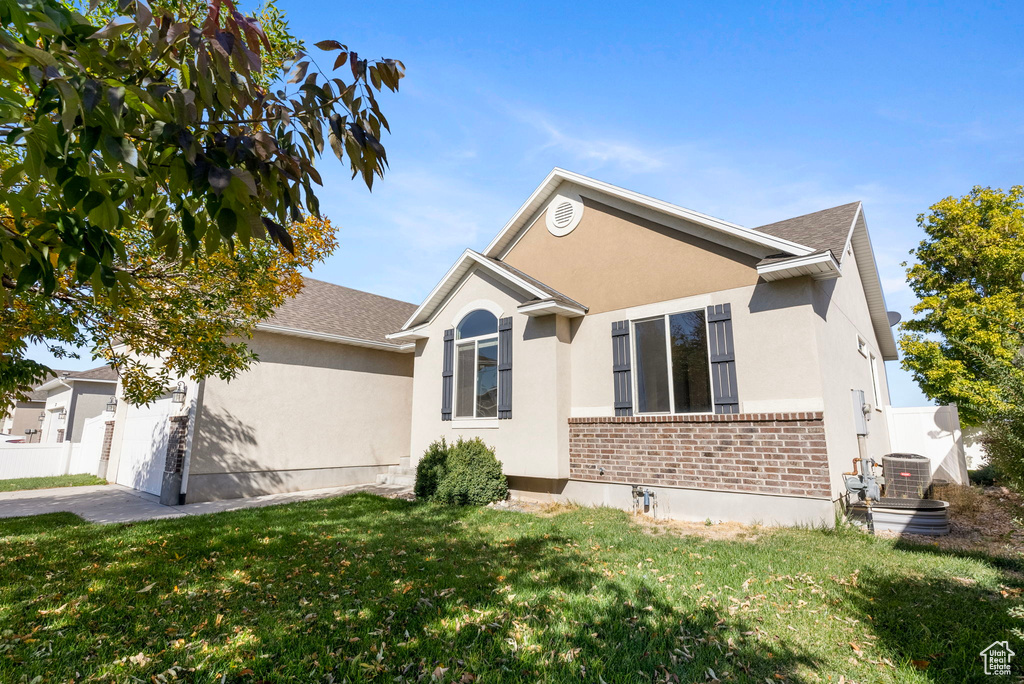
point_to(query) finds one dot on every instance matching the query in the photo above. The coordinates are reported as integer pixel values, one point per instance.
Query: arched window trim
(485, 304)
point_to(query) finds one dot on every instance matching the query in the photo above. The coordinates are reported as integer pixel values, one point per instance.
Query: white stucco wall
(535, 441)
(310, 414)
(841, 314)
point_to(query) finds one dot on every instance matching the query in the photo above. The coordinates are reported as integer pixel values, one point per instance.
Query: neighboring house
(24, 416)
(605, 340)
(328, 404)
(71, 398)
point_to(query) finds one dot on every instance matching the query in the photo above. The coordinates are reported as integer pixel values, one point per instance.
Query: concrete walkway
(117, 504)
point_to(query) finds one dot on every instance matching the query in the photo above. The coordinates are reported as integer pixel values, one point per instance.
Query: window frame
(464, 342)
(876, 383)
(635, 380)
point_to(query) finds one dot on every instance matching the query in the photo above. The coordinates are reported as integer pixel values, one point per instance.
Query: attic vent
(564, 214)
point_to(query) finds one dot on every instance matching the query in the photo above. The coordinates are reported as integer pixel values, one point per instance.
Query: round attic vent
(564, 214)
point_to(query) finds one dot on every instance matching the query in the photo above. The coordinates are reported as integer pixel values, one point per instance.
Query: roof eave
(872, 284)
(337, 339)
(818, 266)
(548, 307)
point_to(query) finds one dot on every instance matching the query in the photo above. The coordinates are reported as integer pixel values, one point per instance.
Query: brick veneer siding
(108, 439)
(176, 442)
(769, 453)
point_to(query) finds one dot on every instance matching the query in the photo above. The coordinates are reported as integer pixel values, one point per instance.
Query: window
(862, 346)
(875, 383)
(672, 367)
(476, 366)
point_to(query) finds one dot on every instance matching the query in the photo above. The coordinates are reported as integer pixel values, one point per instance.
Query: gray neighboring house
(328, 404)
(73, 397)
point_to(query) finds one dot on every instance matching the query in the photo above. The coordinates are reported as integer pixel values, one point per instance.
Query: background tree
(965, 343)
(146, 159)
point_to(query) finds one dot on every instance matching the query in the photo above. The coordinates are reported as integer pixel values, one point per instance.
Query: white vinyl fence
(932, 431)
(45, 460)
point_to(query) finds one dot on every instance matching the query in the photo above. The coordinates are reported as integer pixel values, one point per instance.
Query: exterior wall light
(63, 415)
(178, 395)
(112, 405)
(42, 417)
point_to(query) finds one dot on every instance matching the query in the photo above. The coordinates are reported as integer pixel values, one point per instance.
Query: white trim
(339, 339)
(668, 358)
(533, 204)
(475, 341)
(575, 216)
(547, 307)
(462, 266)
(872, 285)
(849, 234)
(818, 266)
(485, 304)
(417, 333)
(51, 384)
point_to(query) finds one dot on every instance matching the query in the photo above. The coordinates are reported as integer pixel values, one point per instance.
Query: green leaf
(121, 149)
(75, 190)
(105, 215)
(227, 222)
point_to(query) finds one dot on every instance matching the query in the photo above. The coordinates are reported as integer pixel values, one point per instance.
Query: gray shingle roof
(98, 373)
(553, 294)
(335, 310)
(821, 230)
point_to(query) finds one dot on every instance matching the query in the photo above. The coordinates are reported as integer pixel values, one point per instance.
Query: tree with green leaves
(966, 339)
(157, 176)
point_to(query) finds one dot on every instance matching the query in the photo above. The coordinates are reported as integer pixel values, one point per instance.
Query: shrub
(986, 476)
(473, 476)
(431, 469)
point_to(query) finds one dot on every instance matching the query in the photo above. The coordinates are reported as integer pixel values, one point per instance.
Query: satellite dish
(894, 317)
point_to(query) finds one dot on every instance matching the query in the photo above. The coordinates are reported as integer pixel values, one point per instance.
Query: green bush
(431, 469)
(464, 473)
(986, 476)
(474, 475)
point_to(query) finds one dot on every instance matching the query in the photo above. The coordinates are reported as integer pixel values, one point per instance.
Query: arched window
(476, 365)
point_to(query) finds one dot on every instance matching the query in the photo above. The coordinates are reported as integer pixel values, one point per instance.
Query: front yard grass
(370, 589)
(48, 482)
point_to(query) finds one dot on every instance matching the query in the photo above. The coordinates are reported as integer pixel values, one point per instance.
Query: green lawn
(369, 589)
(47, 482)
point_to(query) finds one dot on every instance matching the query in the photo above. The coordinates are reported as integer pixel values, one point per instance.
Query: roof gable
(662, 212)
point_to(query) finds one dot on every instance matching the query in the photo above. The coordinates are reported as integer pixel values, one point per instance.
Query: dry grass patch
(722, 531)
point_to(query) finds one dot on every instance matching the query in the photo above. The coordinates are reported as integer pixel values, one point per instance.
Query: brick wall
(108, 438)
(176, 444)
(774, 453)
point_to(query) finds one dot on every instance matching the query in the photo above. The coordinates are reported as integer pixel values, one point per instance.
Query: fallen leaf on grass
(920, 664)
(146, 588)
(139, 659)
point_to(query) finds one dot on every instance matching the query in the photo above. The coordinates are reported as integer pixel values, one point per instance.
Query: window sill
(475, 424)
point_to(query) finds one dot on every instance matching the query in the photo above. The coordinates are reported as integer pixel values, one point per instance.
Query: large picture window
(476, 366)
(672, 367)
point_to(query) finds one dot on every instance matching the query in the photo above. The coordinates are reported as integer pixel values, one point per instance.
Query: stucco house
(25, 415)
(327, 405)
(606, 342)
(72, 397)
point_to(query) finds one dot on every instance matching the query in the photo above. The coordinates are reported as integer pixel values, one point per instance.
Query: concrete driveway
(117, 504)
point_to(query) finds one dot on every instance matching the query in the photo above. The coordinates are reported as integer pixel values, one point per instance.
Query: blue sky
(751, 114)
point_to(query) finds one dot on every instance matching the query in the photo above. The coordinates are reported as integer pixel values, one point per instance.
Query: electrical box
(860, 411)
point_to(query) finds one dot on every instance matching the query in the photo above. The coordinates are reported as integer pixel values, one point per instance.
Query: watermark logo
(997, 658)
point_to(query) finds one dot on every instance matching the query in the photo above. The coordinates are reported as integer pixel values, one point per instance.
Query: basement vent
(564, 214)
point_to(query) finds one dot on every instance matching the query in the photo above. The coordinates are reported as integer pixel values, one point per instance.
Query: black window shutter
(504, 368)
(723, 359)
(621, 369)
(446, 374)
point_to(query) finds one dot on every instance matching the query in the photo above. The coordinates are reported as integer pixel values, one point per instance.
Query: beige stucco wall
(90, 400)
(841, 313)
(535, 441)
(25, 416)
(776, 365)
(614, 260)
(310, 414)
